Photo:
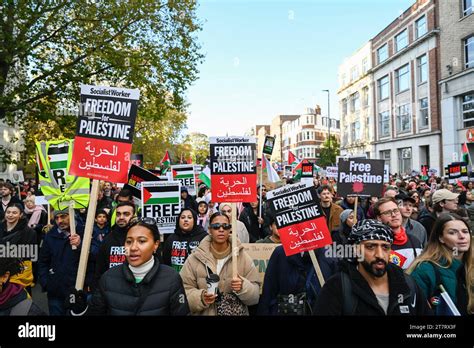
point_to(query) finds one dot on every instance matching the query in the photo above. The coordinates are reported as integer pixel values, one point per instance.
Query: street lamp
(329, 122)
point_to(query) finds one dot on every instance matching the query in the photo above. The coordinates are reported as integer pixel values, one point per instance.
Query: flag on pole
(292, 159)
(465, 154)
(166, 161)
(298, 169)
(205, 176)
(271, 172)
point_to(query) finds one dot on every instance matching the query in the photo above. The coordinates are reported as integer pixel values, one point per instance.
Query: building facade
(457, 76)
(355, 103)
(276, 129)
(305, 135)
(405, 90)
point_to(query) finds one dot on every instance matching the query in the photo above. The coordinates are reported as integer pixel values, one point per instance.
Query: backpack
(350, 301)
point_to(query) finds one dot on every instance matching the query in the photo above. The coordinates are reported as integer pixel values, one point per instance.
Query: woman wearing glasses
(213, 257)
(448, 260)
(140, 286)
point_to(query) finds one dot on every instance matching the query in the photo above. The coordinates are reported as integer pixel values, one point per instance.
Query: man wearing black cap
(58, 261)
(411, 226)
(371, 285)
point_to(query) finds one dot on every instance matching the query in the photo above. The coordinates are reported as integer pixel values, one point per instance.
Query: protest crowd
(101, 235)
(413, 238)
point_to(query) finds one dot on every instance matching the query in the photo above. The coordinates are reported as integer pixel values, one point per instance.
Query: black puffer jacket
(119, 294)
(331, 297)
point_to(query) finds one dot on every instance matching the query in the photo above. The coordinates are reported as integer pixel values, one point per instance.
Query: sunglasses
(224, 226)
(143, 220)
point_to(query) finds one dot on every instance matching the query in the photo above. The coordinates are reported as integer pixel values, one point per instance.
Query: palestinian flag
(166, 161)
(465, 154)
(168, 194)
(292, 159)
(205, 176)
(58, 156)
(298, 169)
(184, 172)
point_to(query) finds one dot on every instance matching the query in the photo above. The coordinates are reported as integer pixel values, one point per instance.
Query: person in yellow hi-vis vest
(58, 187)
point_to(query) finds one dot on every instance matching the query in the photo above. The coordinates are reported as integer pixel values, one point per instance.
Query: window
(383, 88)
(343, 79)
(420, 27)
(403, 119)
(367, 124)
(469, 52)
(344, 107)
(382, 53)
(402, 79)
(345, 136)
(404, 160)
(422, 65)
(467, 7)
(353, 132)
(354, 73)
(424, 113)
(468, 110)
(365, 66)
(401, 40)
(355, 102)
(365, 97)
(357, 130)
(385, 155)
(384, 118)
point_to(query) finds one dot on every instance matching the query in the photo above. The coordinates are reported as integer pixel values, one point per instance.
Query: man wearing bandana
(369, 284)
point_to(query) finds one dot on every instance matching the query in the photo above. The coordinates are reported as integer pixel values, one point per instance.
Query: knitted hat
(345, 214)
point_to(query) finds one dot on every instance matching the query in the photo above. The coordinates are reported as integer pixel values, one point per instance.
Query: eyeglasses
(224, 226)
(390, 212)
(226, 211)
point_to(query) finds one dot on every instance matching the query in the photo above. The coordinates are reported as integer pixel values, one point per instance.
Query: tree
(49, 47)
(199, 144)
(329, 151)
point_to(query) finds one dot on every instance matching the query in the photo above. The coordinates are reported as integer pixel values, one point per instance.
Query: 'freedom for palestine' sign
(233, 169)
(299, 218)
(104, 134)
(360, 177)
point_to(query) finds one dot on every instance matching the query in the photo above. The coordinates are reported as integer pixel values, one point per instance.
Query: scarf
(400, 237)
(220, 254)
(36, 215)
(11, 290)
(141, 271)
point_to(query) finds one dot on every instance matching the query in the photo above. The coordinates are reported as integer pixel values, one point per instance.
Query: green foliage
(329, 151)
(49, 47)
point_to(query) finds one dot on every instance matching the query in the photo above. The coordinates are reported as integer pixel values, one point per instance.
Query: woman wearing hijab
(186, 237)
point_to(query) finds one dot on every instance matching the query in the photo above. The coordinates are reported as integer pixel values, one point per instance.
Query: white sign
(331, 172)
(386, 173)
(17, 176)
